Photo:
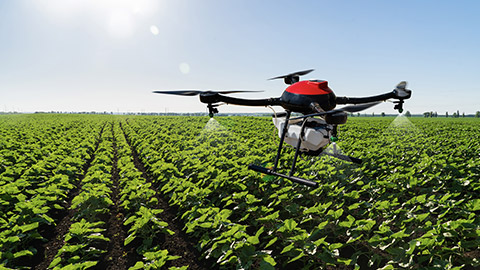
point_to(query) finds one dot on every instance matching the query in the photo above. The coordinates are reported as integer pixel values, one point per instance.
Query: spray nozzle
(399, 105)
(211, 110)
(334, 137)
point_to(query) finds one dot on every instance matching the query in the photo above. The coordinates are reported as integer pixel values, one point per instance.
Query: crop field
(174, 192)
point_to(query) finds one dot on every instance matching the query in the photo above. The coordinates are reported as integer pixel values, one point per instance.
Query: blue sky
(71, 55)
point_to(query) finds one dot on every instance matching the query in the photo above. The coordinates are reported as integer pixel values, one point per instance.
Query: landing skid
(299, 180)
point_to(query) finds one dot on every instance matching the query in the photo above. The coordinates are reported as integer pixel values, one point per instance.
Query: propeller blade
(352, 108)
(402, 85)
(401, 91)
(197, 92)
(180, 92)
(235, 91)
(298, 73)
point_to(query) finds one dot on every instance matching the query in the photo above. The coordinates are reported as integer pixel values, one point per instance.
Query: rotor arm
(400, 93)
(210, 98)
(359, 100)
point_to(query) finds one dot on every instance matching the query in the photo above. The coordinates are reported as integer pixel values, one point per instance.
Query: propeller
(351, 108)
(292, 77)
(198, 92)
(401, 91)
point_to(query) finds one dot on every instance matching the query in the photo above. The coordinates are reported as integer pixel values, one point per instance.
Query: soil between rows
(118, 257)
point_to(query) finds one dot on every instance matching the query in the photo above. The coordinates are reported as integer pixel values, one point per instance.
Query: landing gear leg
(297, 149)
(282, 138)
(277, 159)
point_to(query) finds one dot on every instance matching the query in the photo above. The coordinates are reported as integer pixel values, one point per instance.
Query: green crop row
(412, 203)
(38, 174)
(143, 219)
(85, 241)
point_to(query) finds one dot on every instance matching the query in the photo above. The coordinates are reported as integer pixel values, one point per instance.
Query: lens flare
(184, 68)
(154, 29)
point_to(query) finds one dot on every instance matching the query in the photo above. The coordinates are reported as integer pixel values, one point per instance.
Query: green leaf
(251, 199)
(347, 223)
(400, 234)
(364, 224)
(178, 268)
(288, 225)
(387, 267)
(335, 214)
(267, 263)
(270, 217)
(320, 241)
(271, 242)
(137, 266)
(335, 246)
(297, 257)
(206, 225)
(412, 245)
(29, 227)
(353, 239)
(287, 248)
(22, 253)
(322, 225)
(474, 205)
(422, 217)
(98, 236)
(253, 240)
(55, 262)
(13, 239)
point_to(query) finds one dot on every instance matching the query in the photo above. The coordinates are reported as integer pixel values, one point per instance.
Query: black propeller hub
(292, 77)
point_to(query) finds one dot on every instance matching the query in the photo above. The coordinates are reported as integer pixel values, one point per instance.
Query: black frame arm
(210, 98)
(400, 92)
(358, 100)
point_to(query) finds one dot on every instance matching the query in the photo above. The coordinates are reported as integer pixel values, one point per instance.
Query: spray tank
(317, 132)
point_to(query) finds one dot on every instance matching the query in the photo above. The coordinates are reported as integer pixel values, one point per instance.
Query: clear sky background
(94, 55)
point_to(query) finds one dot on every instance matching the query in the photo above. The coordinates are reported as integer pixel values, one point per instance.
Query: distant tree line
(454, 115)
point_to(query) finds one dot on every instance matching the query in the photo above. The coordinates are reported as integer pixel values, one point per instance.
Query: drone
(315, 128)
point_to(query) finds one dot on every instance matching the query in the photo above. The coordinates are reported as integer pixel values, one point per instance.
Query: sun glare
(119, 18)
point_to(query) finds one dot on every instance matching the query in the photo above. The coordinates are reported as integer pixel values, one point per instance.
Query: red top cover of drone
(309, 88)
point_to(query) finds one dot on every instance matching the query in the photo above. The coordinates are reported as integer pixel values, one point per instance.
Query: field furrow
(116, 256)
(178, 243)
